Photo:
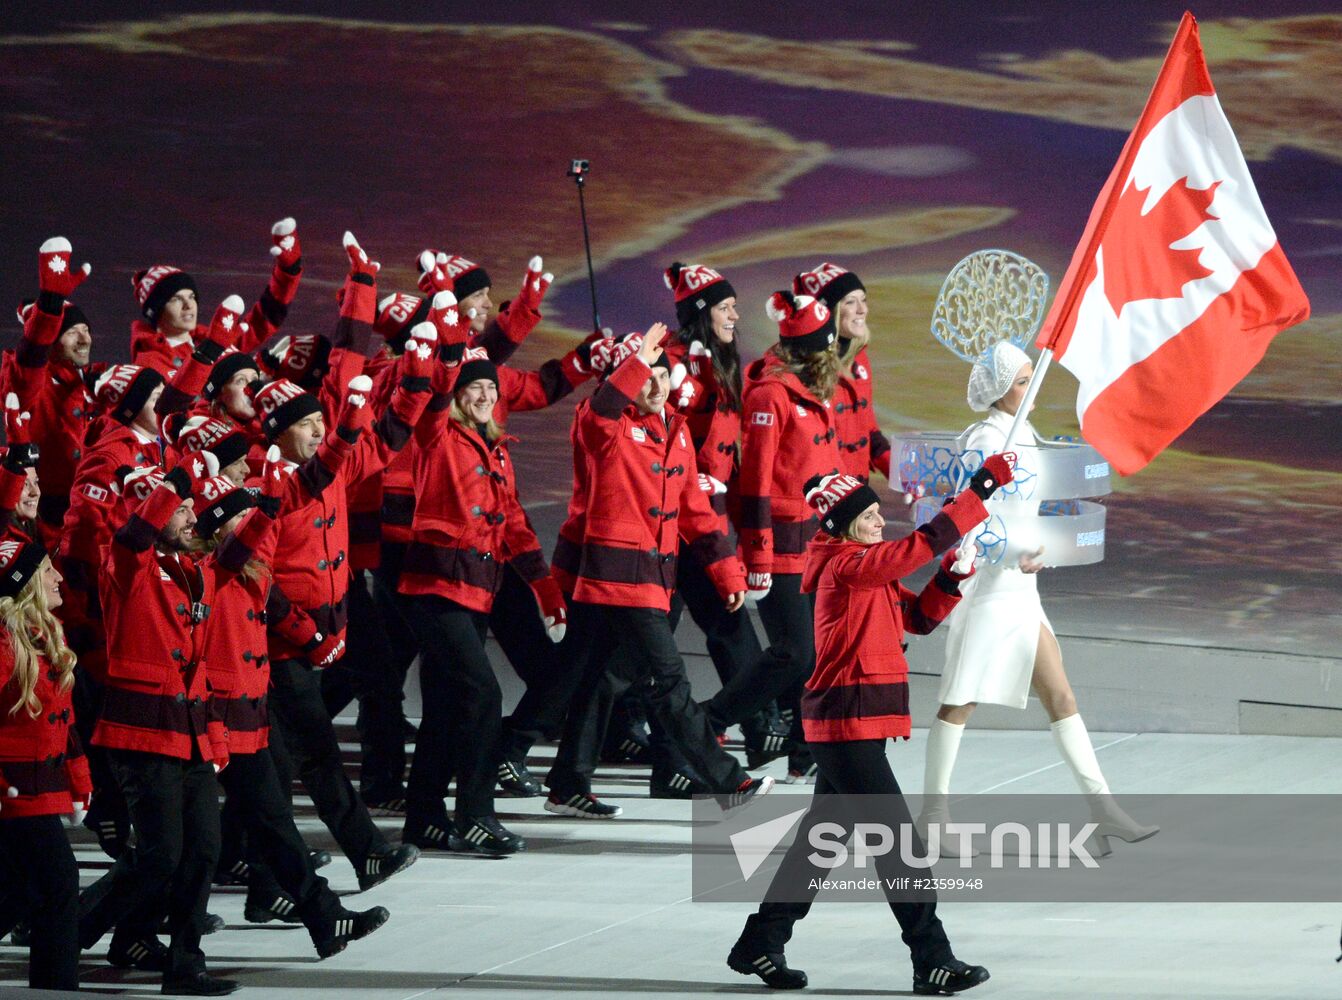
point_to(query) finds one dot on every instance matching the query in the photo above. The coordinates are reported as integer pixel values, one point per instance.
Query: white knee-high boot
(943, 745)
(1111, 821)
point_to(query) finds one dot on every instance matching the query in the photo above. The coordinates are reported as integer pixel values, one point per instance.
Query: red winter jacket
(311, 557)
(518, 392)
(62, 411)
(96, 511)
(237, 661)
(789, 437)
(157, 609)
(40, 757)
(714, 426)
(862, 446)
(643, 497)
(567, 561)
(149, 347)
(860, 689)
(468, 520)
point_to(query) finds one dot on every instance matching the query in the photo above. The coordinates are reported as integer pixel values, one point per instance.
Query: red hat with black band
(283, 404)
(697, 289)
(20, 558)
(154, 286)
(837, 499)
(124, 389)
(829, 283)
(303, 358)
(467, 276)
(222, 438)
(218, 500)
(805, 325)
(397, 315)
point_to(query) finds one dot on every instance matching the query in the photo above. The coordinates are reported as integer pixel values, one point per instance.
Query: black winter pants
(41, 884)
(732, 643)
(174, 811)
(549, 676)
(653, 663)
(372, 672)
(303, 741)
(779, 673)
(463, 715)
(252, 784)
(859, 767)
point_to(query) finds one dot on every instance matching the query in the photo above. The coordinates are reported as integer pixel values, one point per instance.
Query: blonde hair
(492, 430)
(818, 370)
(34, 631)
(253, 570)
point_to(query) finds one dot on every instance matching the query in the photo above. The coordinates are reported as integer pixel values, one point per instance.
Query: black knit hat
(124, 389)
(478, 368)
(284, 404)
(697, 290)
(838, 498)
(72, 316)
(20, 556)
(225, 368)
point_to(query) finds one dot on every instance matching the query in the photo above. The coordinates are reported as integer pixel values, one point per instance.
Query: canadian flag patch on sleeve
(95, 493)
(762, 418)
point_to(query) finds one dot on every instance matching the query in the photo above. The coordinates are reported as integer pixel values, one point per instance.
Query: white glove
(711, 486)
(758, 585)
(964, 557)
(77, 814)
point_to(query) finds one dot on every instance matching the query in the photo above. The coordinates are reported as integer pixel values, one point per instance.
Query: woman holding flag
(1001, 643)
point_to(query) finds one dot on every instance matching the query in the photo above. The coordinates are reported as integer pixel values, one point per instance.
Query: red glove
(199, 466)
(432, 277)
(521, 315)
(355, 413)
(417, 363)
(323, 650)
(554, 612)
(996, 472)
(18, 423)
(272, 483)
(54, 274)
(453, 326)
(224, 328)
(287, 251)
(758, 585)
(358, 298)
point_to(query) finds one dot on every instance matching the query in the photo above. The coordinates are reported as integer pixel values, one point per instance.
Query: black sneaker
(515, 779)
(200, 984)
(582, 806)
(235, 874)
(320, 859)
(429, 836)
(148, 955)
(950, 977)
(112, 831)
(769, 966)
(22, 934)
(679, 784)
(629, 747)
(762, 746)
(390, 804)
(750, 788)
(349, 926)
(383, 864)
(486, 835)
(213, 923)
(260, 911)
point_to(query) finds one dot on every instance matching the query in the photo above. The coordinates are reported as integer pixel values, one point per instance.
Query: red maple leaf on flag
(1138, 260)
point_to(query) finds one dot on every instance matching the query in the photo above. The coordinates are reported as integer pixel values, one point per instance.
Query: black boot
(949, 977)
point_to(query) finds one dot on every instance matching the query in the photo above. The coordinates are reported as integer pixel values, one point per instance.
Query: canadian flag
(1178, 283)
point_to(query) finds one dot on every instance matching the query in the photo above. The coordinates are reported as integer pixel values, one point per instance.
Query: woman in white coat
(1001, 643)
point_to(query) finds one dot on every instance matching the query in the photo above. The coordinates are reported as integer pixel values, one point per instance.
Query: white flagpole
(1031, 390)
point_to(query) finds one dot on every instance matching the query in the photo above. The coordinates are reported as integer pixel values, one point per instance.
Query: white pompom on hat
(991, 377)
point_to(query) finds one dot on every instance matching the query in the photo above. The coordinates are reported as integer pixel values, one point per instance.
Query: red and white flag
(1178, 283)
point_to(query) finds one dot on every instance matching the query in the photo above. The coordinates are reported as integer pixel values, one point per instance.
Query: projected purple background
(757, 141)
